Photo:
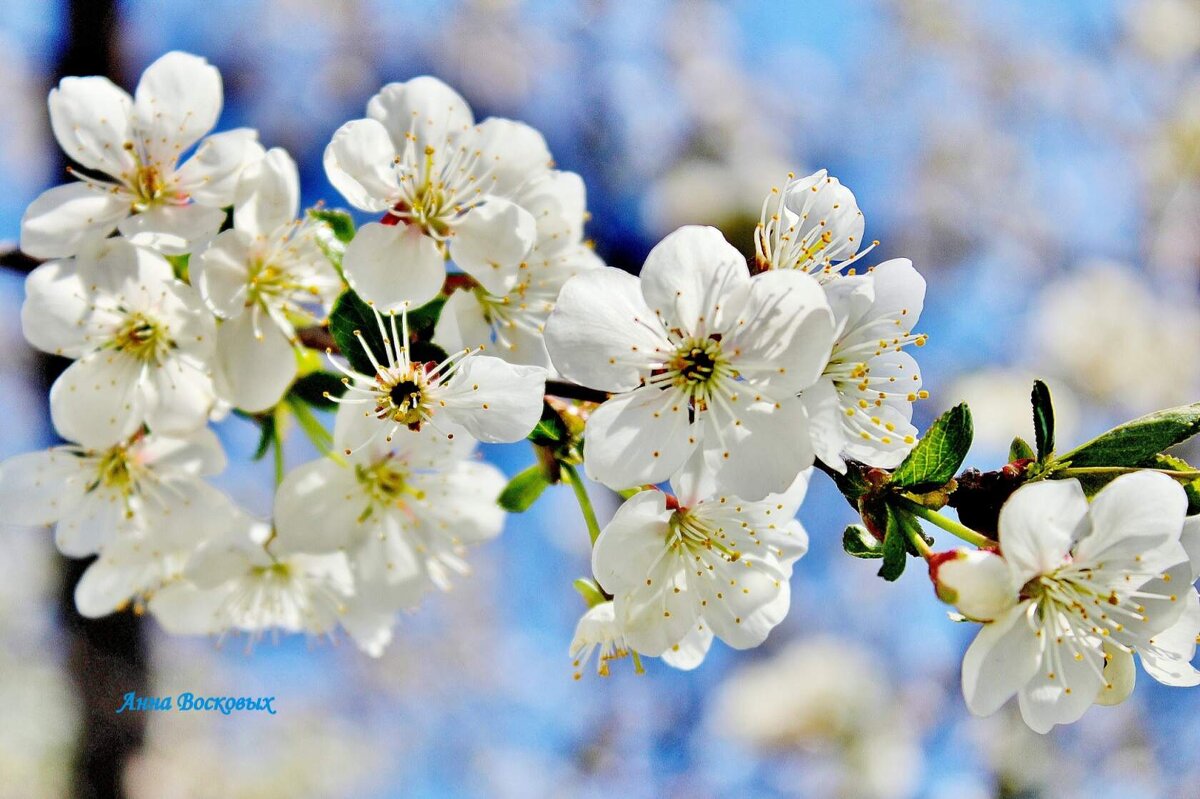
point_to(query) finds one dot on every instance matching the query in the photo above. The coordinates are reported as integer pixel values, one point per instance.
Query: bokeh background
(1040, 164)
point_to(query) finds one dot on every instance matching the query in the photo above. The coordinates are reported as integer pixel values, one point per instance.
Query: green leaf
(351, 314)
(421, 321)
(1020, 450)
(1138, 442)
(340, 223)
(266, 436)
(179, 265)
(859, 543)
(1043, 420)
(590, 591)
(321, 438)
(524, 489)
(550, 430)
(1191, 488)
(313, 386)
(935, 459)
(895, 551)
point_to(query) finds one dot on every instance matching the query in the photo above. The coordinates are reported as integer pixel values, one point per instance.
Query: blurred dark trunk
(106, 657)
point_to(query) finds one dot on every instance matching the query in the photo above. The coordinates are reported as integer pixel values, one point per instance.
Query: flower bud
(976, 581)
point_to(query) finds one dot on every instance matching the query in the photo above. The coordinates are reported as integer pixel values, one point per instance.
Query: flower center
(386, 483)
(142, 337)
(697, 367)
(687, 533)
(114, 470)
(401, 396)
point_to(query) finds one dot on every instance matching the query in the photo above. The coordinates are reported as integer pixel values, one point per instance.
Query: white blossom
(449, 188)
(705, 363)
(700, 565)
(142, 339)
(600, 632)
(92, 496)
(1091, 585)
(492, 400)
(862, 405)
(135, 143)
(260, 278)
(813, 225)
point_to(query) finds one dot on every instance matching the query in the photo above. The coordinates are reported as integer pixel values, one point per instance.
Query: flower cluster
(184, 284)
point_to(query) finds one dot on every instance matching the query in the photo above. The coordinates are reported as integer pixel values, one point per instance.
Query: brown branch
(565, 390)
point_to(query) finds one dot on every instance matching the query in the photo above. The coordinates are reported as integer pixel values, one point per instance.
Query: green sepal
(524, 489)
(859, 543)
(894, 550)
(1020, 450)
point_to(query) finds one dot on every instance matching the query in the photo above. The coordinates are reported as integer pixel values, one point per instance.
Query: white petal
(656, 617)
(558, 202)
(1120, 675)
(490, 242)
(179, 396)
(221, 272)
(899, 293)
(269, 194)
(178, 100)
(1132, 515)
(763, 455)
(359, 164)
(91, 118)
(1038, 525)
(745, 604)
(253, 372)
(62, 220)
(638, 438)
(1190, 539)
(462, 500)
(173, 229)
(514, 151)
(695, 280)
(830, 208)
(196, 454)
(212, 175)
(113, 578)
(394, 265)
(784, 332)
(184, 609)
(97, 401)
(91, 524)
(825, 427)
(1169, 657)
(601, 332)
(1063, 698)
(977, 582)
(318, 508)
(495, 401)
(632, 542)
(56, 302)
(691, 651)
(37, 488)
(1003, 657)
(424, 107)
(462, 325)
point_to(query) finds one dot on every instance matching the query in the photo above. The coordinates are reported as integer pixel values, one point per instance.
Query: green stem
(278, 448)
(914, 535)
(949, 525)
(585, 504)
(1082, 471)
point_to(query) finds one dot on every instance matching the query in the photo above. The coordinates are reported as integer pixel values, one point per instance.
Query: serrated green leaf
(936, 458)
(894, 551)
(859, 543)
(1191, 488)
(351, 314)
(1138, 442)
(1043, 420)
(1020, 450)
(524, 489)
(313, 387)
(340, 223)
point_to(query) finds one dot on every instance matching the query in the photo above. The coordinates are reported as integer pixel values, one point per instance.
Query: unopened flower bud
(975, 581)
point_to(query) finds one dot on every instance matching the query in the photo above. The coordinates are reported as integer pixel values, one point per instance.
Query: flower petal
(495, 401)
(97, 401)
(1120, 675)
(462, 324)
(784, 332)
(691, 651)
(268, 194)
(63, 220)
(1132, 515)
(91, 118)
(601, 332)
(195, 454)
(461, 501)
(491, 241)
(394, 265)
(695, 281)
(632, 542)
(819, 205)
(514, 152)
(359, 164)
(177, 100)
(825, 428)
(253, 368)
(424, 107)
(746, 600)
(638, 438)
(1168, 658)
(1062, 690)
(56, 302)
(764, 454)
(212, 175)
(221, 272)
(173, 229)
(91, 524)
(1039, 523)
(179, 396)
(1003, 657)
(37, 488)
(319, 507)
